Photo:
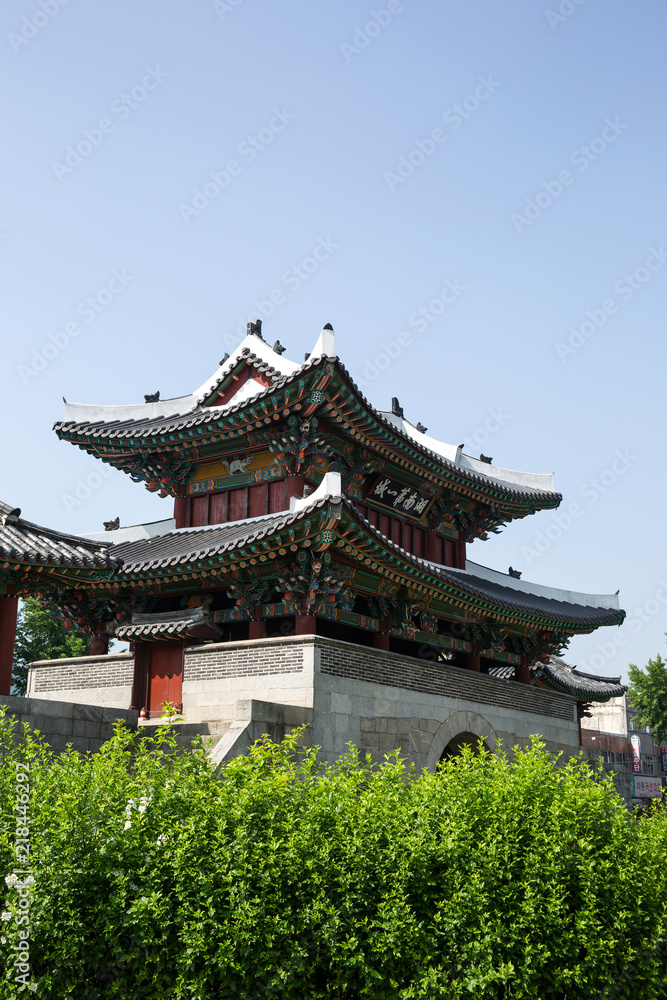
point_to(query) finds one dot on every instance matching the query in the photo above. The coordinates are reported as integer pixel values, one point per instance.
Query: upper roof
(112, 432)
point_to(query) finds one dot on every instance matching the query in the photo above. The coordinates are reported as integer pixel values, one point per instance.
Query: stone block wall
(84, 727)
(382, 701)
(377, 700)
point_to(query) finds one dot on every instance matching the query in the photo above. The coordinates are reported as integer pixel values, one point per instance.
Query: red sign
(636, 746)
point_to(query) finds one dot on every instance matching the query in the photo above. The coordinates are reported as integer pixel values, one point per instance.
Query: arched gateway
(461, 728)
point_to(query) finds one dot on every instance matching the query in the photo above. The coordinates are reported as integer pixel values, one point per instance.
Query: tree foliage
(647, 693)
(282, 878)
(40, 635)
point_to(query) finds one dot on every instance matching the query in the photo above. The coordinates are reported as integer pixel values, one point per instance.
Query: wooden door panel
(165, 675)
(238, 504)
(258, 500)
(218, 508)
(277, 497)
(199, 514)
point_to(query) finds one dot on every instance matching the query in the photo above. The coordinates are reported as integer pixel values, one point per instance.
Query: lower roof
(556, 673)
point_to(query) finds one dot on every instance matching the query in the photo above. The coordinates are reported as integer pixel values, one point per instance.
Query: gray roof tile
(24, 542)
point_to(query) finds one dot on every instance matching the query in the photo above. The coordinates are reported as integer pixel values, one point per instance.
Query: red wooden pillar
(380, 638)
(295, 485)
(522, 673)
(99, 644)
(431, 543)
(472, 658)
(180, 504)
(8, 611)
(257, 628)
(305, 625)
(140, 678)
(460, 555)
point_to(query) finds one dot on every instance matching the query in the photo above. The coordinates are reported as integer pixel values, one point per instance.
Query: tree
(283, 878)
(647, 694)
(40, 635)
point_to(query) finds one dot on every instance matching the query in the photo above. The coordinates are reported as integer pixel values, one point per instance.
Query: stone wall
(384, 701)
(84, 727)
(376, 700)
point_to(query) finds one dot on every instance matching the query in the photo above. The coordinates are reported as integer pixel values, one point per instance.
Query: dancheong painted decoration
(299, 506)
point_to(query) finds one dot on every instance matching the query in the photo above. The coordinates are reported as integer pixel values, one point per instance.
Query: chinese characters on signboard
(403, 499)
(636, 745)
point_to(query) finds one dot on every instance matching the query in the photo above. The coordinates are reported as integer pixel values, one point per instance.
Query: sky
(471, 193)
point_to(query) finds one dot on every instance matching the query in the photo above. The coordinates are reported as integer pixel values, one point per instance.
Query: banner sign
(663, 760)
(646, 788)
(636, 745)
(394, 495)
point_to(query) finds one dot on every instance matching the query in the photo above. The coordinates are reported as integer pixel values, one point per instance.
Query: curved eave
(26, 545)
(465, 477)
(115, 440)
(180, 550)
(496, 598)
(555, 673)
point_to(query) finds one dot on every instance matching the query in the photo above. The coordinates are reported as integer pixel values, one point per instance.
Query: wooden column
(472, 658)
(180, 504)
(8, 612)
(305, 625)
(381, 639)
(522, 673)
(461, 555)
(257, 627)
(99, 644)
(140, 678)
(431, 542)
(295, 485)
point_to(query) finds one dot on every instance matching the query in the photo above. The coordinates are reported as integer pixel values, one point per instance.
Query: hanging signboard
(663, 760)
(646, 788)
(636, 745)
(398, 497)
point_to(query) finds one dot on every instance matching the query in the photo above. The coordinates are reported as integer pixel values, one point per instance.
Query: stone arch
(467, 725)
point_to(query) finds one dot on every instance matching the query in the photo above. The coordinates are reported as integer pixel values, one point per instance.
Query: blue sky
(517, 154)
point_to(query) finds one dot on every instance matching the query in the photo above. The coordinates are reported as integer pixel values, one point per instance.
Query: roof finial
(255, 329)
(278, 347)
(152, 397)
(396, 408)
(10, 515)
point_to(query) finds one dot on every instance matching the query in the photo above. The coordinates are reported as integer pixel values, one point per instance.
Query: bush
(282, 878)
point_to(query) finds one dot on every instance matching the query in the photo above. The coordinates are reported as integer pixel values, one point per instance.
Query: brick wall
(72, 674)
(265, 657)
(376, 667)
(255, 658)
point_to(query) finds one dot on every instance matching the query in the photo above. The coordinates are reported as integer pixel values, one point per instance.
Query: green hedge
(281, 878)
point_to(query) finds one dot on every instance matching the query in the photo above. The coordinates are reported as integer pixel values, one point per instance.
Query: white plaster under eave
(157, 529)
(182, 405)
(133, 532)
(544, 482)
(609, 601)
